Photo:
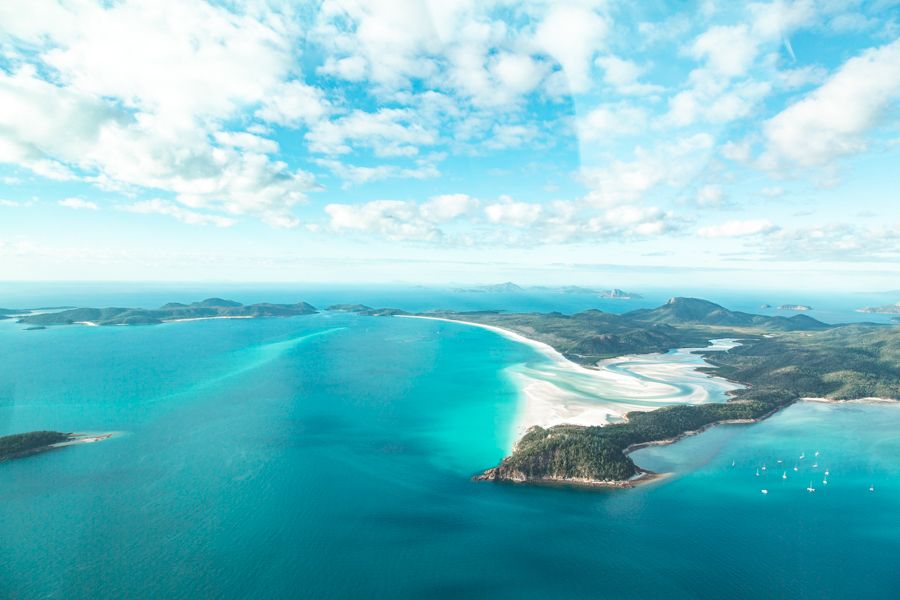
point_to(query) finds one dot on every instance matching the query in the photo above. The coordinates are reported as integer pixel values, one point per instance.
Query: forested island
(173, 311)
(780, 360)
(20, 445)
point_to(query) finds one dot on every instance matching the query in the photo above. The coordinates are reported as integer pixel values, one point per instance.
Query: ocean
(330, 456)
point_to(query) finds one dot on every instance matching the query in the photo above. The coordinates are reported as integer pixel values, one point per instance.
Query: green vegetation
(780, 360)
(593, 335)
(211, 307)
(23, 444)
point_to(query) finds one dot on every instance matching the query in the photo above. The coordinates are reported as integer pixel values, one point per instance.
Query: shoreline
(565, 392)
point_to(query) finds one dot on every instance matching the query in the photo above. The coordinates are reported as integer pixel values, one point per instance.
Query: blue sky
(602, 142)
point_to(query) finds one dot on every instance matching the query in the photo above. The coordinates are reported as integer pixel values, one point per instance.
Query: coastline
(565, 392)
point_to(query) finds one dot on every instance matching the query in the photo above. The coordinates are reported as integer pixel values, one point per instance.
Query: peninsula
(780, 360)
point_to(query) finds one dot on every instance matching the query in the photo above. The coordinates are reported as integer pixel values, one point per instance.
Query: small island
(795, 307)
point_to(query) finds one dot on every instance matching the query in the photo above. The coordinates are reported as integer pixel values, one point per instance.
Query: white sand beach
(557, 391)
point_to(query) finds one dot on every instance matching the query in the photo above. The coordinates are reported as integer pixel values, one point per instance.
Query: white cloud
(447, 207)
(572, 35)
(834, 119)
(294, 103)
(710, 195)
(78, 204)
(388, 132)
(157, 206)
(608, 121)
(359, 174)
(731, 229)
(674, 163)
(399, 220)
(510, 136)
(137, 98)
(837, 241)
(180, 59)
(512, 213)
(623, 75)
(728, 50)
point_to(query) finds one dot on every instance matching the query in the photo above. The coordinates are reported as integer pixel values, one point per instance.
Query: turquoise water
(329, 456)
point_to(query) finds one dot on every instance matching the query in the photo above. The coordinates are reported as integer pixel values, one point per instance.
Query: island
(779, 360)
(211, 308)
(20, 445)
(887, 309)
(497, 288)
(617, 294)
(795, 307)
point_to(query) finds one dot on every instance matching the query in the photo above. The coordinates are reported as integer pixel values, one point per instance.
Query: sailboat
(817, 453)
(827, 473)
(764, 467)
(871, 488)
(765, 491)
(824, 482)
(732, 463)
(810, 488)
(757, 472)
(796, 468)
(784, 475)
(815, 465)
(802, 455)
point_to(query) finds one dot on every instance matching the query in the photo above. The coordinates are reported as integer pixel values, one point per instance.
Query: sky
(726, 144)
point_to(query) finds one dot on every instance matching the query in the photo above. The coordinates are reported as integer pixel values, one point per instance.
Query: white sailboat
(765, 491)
(757, 472)
(784, 475)
(764, 467)
(824, 482)
(796, 468)
(802, 455)
(827, 473)
(810, 488)
(871, 488)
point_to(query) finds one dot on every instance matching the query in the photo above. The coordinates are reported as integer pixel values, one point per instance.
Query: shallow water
(330, 455)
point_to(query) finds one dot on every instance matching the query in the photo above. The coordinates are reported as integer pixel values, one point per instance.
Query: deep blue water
(329, 456)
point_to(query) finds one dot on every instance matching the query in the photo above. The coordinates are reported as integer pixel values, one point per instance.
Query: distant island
(795, 307)
(211, 308)
(780, 360)
(496, 288)
(511, 288)
(887, 309)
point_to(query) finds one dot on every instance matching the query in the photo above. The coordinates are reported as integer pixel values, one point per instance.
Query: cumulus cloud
(732, 229)
(833, 120)
(512, 213)
(572, 35)
(399, 220)
(624, 76)
(130, 105)
(388, 132)
(78, 204)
